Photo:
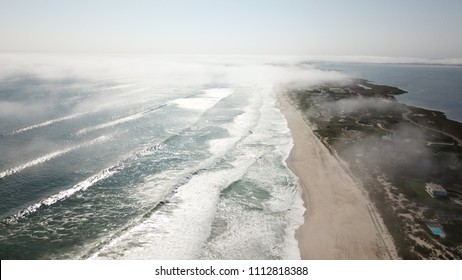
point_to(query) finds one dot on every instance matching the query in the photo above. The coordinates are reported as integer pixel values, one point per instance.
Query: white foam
(51, 156)
(111, 123)
(276, 132)
(62, 195)
(47, 123)
(221, 145)
(115, 87)
(204, 101)
(180, 228)
(252, 235)
(248, 235)
(238, 128)
(296, 219)
(118, 121)
(218, 92)
(244, 122)
(255, 234)
(36, 161)
(90, 181)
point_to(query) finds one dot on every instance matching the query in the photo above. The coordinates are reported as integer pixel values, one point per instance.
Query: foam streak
(50, 156)
(118, 121)
(62, 195)
(47, 123)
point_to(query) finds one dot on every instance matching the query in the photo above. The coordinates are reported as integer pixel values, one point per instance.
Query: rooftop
(435, 187)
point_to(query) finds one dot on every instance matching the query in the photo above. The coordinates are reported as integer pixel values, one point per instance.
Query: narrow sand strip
(340, 221)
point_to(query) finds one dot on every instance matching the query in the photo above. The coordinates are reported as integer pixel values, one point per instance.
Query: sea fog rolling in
(430, 86)
(147, 157)
(163, 157)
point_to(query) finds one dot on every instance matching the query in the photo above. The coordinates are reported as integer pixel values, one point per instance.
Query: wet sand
(340, 221)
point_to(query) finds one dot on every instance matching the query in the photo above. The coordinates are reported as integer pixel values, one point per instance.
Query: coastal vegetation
(395, 150)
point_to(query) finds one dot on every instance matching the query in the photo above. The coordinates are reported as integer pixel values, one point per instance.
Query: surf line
(85, 184)
(119, 121)
(62, 195)
(46, 123)
(51, 156)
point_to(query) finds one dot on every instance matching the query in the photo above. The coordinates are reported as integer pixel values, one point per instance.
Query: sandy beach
(340, 221)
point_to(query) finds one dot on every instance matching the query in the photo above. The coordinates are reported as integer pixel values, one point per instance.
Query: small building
(436, 190)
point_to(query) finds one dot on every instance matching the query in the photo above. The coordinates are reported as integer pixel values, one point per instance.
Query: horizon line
(372, 59)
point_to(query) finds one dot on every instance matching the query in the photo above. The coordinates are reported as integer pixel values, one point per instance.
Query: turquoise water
(437, 231)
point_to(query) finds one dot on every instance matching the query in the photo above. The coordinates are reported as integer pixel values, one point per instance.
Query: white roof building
(436, 190)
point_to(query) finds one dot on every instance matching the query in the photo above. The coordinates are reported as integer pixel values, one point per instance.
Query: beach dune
(340, 221)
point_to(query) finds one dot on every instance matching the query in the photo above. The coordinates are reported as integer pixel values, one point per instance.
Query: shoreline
(340, 222)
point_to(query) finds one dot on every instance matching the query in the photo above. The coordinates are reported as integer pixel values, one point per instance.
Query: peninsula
(370, 169)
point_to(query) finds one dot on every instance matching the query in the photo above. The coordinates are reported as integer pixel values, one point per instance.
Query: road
(406, 116)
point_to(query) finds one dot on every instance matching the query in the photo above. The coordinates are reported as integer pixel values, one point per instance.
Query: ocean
(129, 166)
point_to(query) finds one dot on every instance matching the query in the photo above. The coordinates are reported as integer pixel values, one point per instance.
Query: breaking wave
(51, 156)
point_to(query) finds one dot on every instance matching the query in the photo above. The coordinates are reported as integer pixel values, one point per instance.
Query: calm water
(432, 87)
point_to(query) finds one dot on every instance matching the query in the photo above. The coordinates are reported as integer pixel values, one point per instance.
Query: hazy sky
(403, 28)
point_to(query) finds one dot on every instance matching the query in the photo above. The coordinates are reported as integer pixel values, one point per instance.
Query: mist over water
(147, 157)
(435, 87)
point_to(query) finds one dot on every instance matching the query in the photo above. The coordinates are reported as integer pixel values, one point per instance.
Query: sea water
(119, 167)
